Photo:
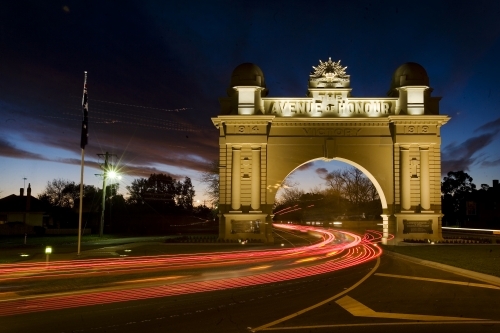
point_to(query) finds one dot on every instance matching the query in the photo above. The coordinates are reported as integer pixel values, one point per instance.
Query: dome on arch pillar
(408, 74)
(247, 74)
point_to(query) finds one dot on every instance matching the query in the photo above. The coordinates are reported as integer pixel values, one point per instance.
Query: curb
(446, 244)
(110, 251)
(452, 269)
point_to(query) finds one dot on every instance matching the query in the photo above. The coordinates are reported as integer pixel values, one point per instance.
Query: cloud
(456, 165)
(461, 157)
(492, 125)
(76, 161)
(305, 166)
(145, 172)
(7, 149)
(491, 163)
(321, 171)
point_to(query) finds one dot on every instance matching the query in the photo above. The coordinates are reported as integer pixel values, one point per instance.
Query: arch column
(255, 203)
(425, 200)
(404, 165)
(385, 228)
(236, 179)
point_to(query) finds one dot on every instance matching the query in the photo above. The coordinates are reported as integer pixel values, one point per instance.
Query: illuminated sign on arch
(330, 106)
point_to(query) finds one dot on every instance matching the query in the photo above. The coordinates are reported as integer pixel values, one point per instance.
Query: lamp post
(109, 172)
(48, 251)
(105, 175)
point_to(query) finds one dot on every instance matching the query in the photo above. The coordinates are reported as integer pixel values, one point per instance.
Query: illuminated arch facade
(394, 140)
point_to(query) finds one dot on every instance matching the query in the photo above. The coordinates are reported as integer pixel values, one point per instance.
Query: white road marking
(469, 284)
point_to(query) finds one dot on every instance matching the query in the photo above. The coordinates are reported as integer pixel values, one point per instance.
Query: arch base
(254, 226)
(418, 226)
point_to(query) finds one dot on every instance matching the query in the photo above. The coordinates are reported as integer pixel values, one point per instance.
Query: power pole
(109, 170)
(105, 175)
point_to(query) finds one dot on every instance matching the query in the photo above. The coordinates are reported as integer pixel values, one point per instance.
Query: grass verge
(32, 240)
(478, 258)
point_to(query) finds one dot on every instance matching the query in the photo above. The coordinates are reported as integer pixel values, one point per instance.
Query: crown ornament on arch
(330, 70)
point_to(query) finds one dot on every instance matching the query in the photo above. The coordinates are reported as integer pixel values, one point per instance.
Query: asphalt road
(391, 296)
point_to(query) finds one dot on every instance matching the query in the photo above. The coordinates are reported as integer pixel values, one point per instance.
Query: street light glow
(112, 174)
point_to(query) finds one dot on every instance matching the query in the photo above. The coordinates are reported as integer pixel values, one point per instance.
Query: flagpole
(81, 203)
(83, 142)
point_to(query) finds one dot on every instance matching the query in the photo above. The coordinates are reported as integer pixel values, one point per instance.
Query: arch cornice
(425, 119)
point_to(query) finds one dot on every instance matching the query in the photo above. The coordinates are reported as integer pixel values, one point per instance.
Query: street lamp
(113, 174)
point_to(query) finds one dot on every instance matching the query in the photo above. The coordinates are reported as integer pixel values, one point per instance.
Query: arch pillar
(385, 228)
(236, 179)
(425, 200)
(418, 140)
(255, 179)
(404, 165)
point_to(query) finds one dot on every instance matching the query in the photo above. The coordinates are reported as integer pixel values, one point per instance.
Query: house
(22, 210)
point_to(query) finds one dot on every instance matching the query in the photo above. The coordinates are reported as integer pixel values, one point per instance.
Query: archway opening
(333, 193)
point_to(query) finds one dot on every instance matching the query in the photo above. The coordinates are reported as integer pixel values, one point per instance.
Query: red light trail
(319, 258)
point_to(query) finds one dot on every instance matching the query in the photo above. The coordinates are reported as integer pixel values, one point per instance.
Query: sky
(157, 68)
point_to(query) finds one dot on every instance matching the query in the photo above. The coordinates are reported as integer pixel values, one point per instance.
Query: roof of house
(17, 203)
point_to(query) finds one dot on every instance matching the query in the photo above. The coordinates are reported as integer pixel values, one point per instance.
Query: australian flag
(85, 123)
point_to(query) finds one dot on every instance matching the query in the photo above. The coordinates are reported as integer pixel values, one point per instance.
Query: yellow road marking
(306, 259)
(259, 267)
(360, 310)
(8, 294)
(263, 327)
(470, 284)
(152, 279)
(382, 324)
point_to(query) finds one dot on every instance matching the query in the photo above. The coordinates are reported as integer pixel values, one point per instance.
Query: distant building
(482, 207)
(22, 210)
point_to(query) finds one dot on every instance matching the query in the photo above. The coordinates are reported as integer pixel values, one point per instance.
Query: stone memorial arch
(394, 140)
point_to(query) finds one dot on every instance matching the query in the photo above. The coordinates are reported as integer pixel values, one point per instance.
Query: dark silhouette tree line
(162, 193)
(466, 206)
(149, 200)
(210, 177)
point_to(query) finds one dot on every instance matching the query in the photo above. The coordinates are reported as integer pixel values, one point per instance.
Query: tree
(137, 191)
(457, 183)
(288, 193)
(186, 195)
(357, 188)
(291, 195)
(65, 193)
(335, 181)
(161, 192)
(116, 211)
(57, 193)
(351, 184)
(333, 193)
(63, 197)
(454, 190)
(210, 178)
(158, 187)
